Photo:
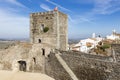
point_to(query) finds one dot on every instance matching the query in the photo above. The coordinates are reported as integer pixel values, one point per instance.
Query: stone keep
(49, 28)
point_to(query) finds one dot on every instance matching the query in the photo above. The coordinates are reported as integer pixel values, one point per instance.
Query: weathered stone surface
(116, 47)
(32, 54)
(54, 69)
(85, 66)
(91, 68)
(56, 22)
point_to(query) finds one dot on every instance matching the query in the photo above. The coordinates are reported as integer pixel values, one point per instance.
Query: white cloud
(106, 6)
(79, 19)
(61, 7)
(101, 6)
(15, 2)
(45, 7)
(12, 25)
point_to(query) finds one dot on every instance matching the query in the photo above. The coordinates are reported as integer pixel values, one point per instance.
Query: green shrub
(105, 46)
(46, 29)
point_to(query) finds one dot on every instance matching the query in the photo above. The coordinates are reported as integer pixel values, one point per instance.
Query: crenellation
(44, 13)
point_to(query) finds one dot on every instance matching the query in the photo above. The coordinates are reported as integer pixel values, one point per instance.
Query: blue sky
(85, 16)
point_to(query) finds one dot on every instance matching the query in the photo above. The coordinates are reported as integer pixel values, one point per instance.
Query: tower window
(39, 40)
(43, 51)
(34, 59)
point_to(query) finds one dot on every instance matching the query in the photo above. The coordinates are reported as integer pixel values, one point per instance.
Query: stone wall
(84, 55)
(54, 69)
(47, 20)
(85, 66)
(63, 31)
(116, 48)
(32, 54)
(92, 68)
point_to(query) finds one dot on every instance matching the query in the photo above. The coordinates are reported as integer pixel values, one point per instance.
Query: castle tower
(50, 28)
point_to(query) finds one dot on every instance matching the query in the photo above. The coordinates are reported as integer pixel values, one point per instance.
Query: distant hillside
(75, 40)
(14, 39)
(5, 44)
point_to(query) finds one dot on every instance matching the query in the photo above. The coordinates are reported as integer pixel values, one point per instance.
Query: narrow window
(39, 40)
(43, 51)
(34, 59)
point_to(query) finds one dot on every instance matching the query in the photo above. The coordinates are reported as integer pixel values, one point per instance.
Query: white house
(113, 36)
(87, 44)
(76, 47)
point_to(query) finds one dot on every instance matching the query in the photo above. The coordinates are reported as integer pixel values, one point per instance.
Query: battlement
(46, 13)
(43, 13)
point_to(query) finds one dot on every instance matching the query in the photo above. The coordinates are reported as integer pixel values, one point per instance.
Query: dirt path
(9, 75)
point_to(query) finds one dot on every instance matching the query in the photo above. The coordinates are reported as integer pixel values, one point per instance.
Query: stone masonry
(49, 28)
